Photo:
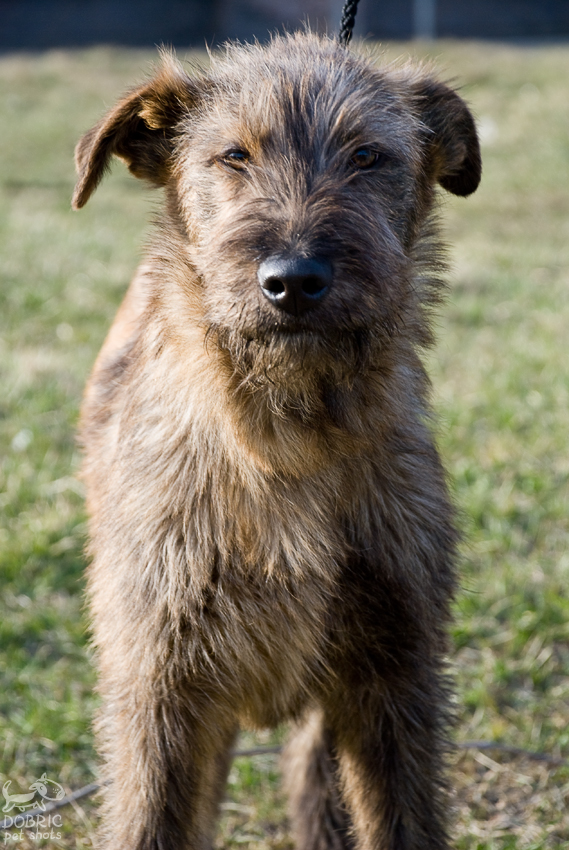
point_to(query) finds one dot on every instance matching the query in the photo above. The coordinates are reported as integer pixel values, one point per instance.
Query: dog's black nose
(297, 284)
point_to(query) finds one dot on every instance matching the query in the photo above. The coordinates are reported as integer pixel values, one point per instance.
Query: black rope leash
(347, 22)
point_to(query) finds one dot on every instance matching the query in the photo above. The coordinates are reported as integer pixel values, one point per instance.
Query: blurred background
(499, 370)
(42, 24)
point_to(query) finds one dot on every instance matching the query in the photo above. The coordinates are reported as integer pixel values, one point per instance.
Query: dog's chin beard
(300, 365)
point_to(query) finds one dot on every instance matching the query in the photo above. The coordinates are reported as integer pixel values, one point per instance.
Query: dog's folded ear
(140, 130)
(451, 138)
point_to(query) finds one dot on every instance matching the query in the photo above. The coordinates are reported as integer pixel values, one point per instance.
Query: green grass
(501, 391)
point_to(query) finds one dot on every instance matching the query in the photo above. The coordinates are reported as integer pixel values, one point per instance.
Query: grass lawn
(501, 389)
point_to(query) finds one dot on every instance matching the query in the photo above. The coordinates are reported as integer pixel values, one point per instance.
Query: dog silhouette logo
(40, 791)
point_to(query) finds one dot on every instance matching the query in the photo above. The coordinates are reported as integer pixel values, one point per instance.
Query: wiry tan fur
(271, 535)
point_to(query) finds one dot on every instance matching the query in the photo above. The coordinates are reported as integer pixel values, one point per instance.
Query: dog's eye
(365, 158)
(236, 159)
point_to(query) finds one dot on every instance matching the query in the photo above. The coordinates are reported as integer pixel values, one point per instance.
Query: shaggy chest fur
(228, 560)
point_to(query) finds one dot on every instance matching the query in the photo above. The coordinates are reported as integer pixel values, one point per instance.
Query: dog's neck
(291, 415)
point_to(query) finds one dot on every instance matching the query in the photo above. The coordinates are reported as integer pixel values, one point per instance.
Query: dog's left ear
(140, 130)
(452, 142)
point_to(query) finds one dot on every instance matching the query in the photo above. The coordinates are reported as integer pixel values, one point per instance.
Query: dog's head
(301, 178)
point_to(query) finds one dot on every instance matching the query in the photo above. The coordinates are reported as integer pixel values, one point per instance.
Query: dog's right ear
(139, 130)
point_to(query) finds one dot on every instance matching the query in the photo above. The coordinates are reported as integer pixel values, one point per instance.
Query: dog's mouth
(293, 331)
(289, 353)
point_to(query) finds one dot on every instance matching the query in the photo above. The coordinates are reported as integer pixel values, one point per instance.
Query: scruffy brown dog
(271, 532)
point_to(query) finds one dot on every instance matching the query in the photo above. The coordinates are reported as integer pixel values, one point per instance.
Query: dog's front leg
(390, 769)
(167, 757)
(389, 716)
(389, 741)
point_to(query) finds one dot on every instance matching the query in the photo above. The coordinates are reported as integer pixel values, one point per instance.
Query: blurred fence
(44, 24)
